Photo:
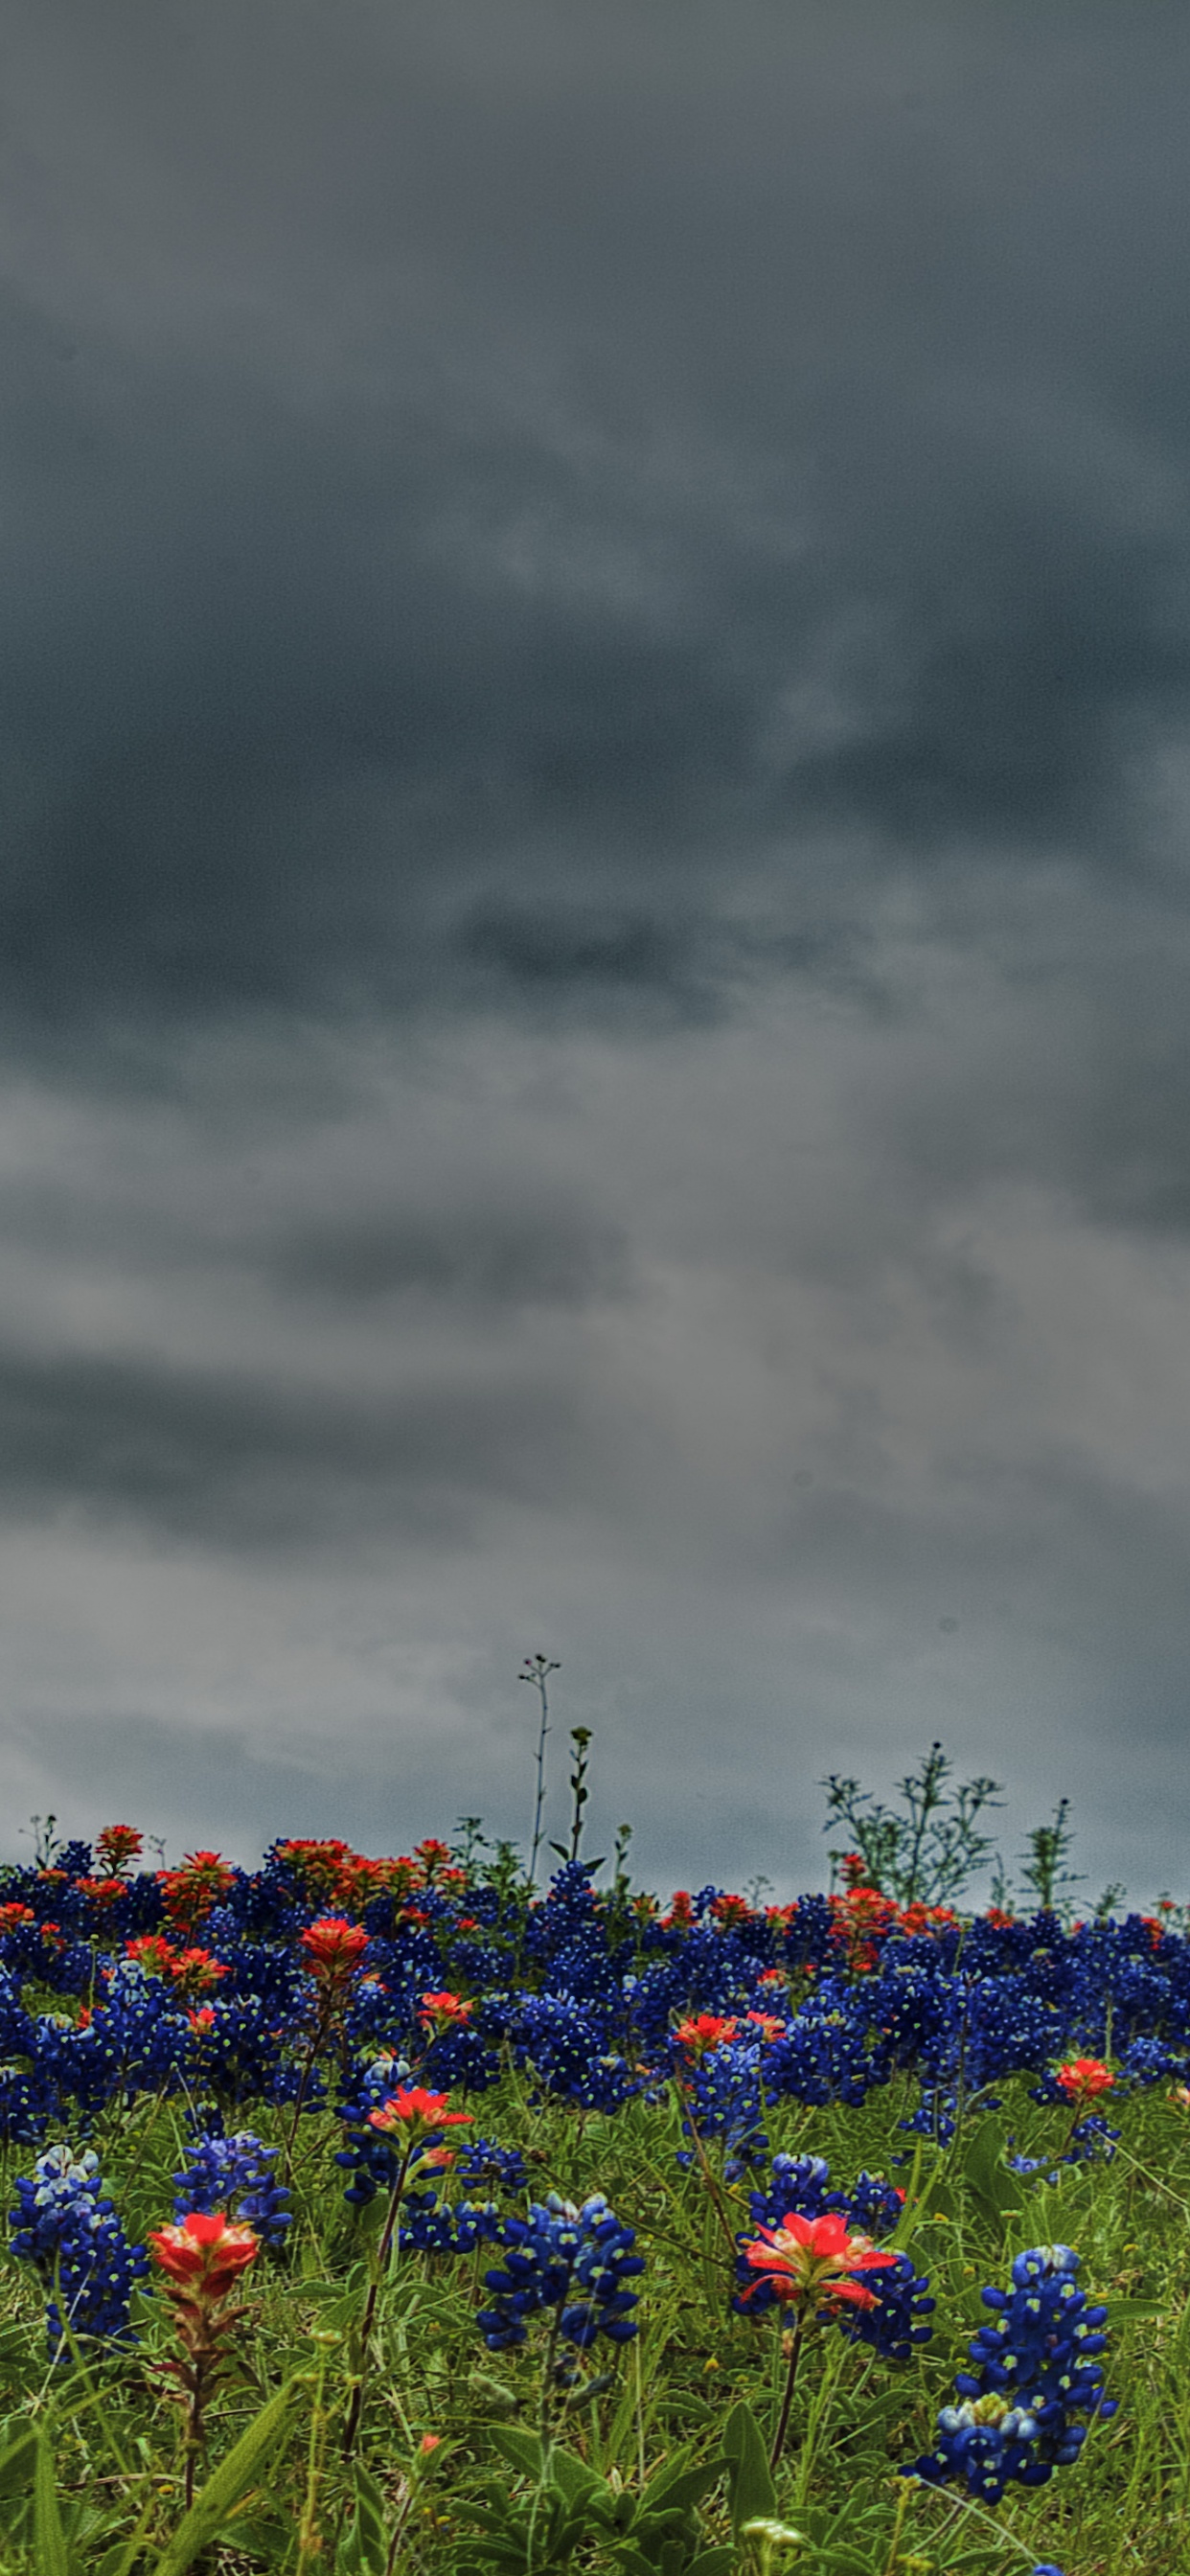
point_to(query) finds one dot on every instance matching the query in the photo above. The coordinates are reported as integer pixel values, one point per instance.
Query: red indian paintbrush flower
(416, 2113)
(1082, 2077)
(194, 1969)
(117, 1845)
(333, 1948)
(189, 1893)
(203, 2258)
(437, 2012)
(809, 2261)
(703, 2031)
(204, 2254)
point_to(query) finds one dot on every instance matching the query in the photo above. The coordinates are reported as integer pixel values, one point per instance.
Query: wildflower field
(377, 2215)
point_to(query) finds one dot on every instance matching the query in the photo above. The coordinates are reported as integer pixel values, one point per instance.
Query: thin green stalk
(709, 2177)
(355, 2406)
(796, 2339)
(807, 2457)
(309, 2549)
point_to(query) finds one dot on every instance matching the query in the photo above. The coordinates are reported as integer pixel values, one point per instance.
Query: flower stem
(355, 2408)
(795, 2349)
(704, 2166)
(317, 2041)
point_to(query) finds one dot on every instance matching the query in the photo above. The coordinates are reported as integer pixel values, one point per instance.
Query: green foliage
(658, 2461)
(659, 2467)
(244, 2464)
(1044, 1869)
(540, 2529)
(751, 2493)
(997, 2194)
(928, 1853)
(49, 2539)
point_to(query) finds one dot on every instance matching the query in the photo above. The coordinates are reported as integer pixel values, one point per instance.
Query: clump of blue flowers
(573, 2261)
(65, 2225)
(235, 2174)
(1037, 2373)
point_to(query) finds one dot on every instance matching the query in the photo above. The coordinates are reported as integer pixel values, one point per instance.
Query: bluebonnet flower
(933, 2118)
(460, 2057)
(26, 2103)
(721, 2090)
(234, 2174)
(1092, 2140)
(985, 2442)
(1150, 2061)
(64, 2224)
(1037, 2371)
(827, 2054)
(571, 2050)
(429, 2225)
(575, 2261)
(233, 2048)
(898, 2317)
(567, 1935)
(483, 2161)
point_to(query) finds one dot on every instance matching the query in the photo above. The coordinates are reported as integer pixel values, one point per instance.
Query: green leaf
(124, 2555)
(572, 2478)
(49, 2539)
(369, 2530)
(751, 2493)
(231, 2480)
(1121, 2312)
(522, 2449)
(675, 2467)
(997, 2191)
(676, 2494)
(17, 2460)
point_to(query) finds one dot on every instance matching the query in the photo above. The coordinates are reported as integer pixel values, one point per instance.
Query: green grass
(100, 2489)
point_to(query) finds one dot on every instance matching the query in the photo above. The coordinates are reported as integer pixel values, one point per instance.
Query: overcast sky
(594, 1049)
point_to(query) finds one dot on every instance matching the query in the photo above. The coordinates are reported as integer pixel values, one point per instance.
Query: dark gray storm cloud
(594, 762)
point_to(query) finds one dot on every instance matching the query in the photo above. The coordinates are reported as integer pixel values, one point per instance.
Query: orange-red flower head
(703, 2031)
(809, 2261)
(205, 2254)
(101, 1891)
(189, 1893)
(334, 1948)
(416, 2113)
(1083, 2077)
(194, 1969)
(441, 2011)
(117, 1845)
(151, 1951)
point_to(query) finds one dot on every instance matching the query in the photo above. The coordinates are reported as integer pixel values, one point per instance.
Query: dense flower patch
(393, 2104)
